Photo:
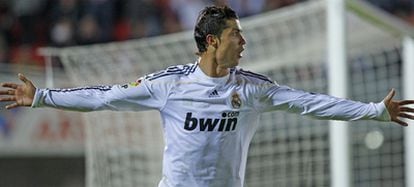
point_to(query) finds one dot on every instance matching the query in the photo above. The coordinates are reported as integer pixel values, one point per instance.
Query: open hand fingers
(404, 115)
(8, 99)
(7, 92)
(406, 112)
(13, 105)
(406, 102)
(407, 109)
(10, 85)
(14, 85)
(24, 79)
(390, 95)
(400, 122)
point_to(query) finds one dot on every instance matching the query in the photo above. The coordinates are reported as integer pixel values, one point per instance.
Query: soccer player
(210, 109)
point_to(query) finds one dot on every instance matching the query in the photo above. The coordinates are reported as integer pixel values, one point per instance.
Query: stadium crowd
(26, 25)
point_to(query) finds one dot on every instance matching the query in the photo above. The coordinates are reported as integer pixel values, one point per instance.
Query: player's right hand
(18, 94)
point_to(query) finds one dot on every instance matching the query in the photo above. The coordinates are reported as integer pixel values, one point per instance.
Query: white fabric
(208, 122)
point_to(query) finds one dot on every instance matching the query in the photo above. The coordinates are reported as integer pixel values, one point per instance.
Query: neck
(211, 68)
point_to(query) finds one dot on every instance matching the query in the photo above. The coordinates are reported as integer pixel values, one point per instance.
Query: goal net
(289, 46)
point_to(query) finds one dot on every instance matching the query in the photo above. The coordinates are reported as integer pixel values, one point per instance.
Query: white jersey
(208, 122)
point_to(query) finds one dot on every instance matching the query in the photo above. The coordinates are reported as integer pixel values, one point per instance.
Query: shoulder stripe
(173, 70)
(254, 75)
(100, 88)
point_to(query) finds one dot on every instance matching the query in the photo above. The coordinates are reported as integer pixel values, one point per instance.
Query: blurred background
(26, 25)
(46, 148)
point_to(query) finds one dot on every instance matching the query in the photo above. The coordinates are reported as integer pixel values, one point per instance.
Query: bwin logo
(227, 123)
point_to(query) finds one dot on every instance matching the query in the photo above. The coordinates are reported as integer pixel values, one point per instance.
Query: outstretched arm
(133, 97)
(323, 106)
(398, 110)
(19, 94)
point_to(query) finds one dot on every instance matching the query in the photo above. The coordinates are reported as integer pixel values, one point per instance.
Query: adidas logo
(214, 93)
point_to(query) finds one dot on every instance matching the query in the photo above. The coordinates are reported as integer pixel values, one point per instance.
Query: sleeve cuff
(37, 98)
(383, 114)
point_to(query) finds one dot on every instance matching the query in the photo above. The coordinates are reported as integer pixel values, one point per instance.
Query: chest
(218, 98)
(207, 108)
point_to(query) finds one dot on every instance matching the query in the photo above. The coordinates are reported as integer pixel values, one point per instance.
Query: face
(230, 45)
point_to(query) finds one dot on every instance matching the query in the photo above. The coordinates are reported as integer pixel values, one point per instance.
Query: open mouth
(241, 53)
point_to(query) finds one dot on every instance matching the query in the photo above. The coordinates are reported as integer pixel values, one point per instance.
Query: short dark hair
(211, 20)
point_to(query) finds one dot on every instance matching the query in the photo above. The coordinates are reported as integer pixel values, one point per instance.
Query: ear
(212, 40)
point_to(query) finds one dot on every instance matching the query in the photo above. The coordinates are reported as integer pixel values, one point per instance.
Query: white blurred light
(374, 139)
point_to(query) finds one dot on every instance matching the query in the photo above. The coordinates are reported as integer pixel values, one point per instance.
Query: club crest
(236, 101)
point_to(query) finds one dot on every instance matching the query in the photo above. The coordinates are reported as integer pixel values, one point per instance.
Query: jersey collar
(210, 80)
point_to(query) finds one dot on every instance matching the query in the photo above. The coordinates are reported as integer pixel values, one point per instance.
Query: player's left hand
(399, 110)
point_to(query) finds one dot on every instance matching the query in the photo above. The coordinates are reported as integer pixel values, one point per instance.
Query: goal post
(336, 61)
(288, 45)
(408, 67)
